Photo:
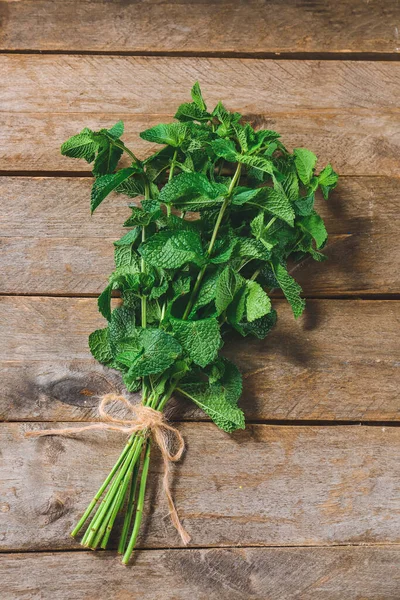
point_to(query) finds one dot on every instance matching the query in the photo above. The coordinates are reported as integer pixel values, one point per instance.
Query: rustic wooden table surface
(305, 503)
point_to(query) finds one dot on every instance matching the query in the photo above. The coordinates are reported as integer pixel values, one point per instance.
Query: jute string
(143, 419)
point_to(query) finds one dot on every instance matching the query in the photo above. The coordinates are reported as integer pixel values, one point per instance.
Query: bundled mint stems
(219, 213)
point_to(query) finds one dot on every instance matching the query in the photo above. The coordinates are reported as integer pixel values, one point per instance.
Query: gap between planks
(344, 56)
(272, 422)
(112, 553)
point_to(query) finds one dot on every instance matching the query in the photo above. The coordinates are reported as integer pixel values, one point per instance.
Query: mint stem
(218, 222)
(129, 510)
(140, 504)
(171, 174)
(270, 223)
(117, 505)
(132, 457)
(121, 145)
(101, 490)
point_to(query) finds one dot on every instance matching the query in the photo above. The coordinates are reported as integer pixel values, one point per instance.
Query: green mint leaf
(171, 250)
(200, 339)
(308, 249)
(290, 288)
(290, 186)
(258, 303)
(181, 286)
(140, 217)
(242, 134)
(81, 145)
(99, 346)
(305, 206)
(213, 401)
(130, 278)
(257, 225)
(87, 143)
(131, 383)
(151, 206)
(224, 149)
(314, 225)
(231, 381)
(305, 162)
(219, 400)
(129, 238)
(257, 162)
(189, 111)
(236, 309)
(117, 130)
(228, 284)
(172, 134)
(157, 351)
(327, 179)
(328, 176)
(258, 328)
(106, 184)
(241, 195)
(262, 136)
(224, 117)
(133, 186)
(215, 370)
(207, 291)
(197, 97)
(159, 290)
(104, 302)
(122, 324)
(249, 248)
(279, 204)
(153, 312)
(223, 250)
(125, 257)
(107, 158)
(192, 191)
(227, 120)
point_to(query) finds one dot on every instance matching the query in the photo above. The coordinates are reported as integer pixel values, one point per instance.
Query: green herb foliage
(224, 210)
(222, 214)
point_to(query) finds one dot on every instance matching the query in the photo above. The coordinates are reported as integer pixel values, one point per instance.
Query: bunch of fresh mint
(222, 210)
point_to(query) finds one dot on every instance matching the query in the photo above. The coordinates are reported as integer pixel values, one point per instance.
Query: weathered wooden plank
(339, 361)
(58, 207)
(51, 244)
(267, 485)
(206, 26)
(355, 142)
(346, 111)
(359, 264)
(371, 573)
(118, 85)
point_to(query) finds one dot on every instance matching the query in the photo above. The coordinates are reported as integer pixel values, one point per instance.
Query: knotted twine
(144, 419)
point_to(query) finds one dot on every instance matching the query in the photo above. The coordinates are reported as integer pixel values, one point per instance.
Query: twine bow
(144, 419)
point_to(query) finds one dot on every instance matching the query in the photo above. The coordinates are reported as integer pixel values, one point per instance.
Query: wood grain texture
(205, 26)
(356, 143)
(339, 361)
(51, 244)
(58, 207)
(224, 574)
(347, 112)
(359, 265)
(267, 485)
(116, 85)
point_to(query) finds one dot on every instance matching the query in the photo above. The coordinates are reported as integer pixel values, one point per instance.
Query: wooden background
(305, 503)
